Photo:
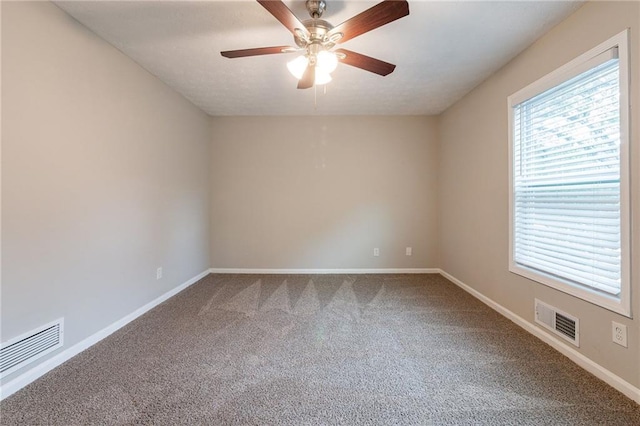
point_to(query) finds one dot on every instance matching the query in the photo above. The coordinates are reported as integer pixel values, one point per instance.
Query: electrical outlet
(158, 273)
(619, 333)
(376, 251)
(408, 251)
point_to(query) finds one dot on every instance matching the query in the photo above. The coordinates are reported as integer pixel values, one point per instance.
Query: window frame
(582, 63)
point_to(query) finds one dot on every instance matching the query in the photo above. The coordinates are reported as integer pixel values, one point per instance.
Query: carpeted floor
(321, 349)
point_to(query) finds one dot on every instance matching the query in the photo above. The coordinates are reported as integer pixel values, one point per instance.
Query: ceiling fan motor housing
(318, 29)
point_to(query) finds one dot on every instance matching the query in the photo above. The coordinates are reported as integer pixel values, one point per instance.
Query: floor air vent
(24, 349)
(562, 324)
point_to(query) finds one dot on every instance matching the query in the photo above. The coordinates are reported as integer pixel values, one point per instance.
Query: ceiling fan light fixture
(327, 61)
(297, 66)
(322, 77)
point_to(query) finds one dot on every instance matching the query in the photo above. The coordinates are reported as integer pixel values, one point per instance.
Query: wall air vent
(560, 323)
(26, 348)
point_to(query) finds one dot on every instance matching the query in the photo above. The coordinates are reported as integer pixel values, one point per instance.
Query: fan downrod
(316, 8)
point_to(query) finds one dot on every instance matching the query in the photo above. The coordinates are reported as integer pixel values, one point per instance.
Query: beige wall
(105, 176)
(474, 189)
(304, 192)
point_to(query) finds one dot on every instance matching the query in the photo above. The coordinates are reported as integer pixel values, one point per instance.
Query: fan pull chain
(315, 95)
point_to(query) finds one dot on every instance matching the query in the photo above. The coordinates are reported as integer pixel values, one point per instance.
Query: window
(569, 172)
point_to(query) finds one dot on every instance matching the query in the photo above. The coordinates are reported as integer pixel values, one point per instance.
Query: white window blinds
(566, 179)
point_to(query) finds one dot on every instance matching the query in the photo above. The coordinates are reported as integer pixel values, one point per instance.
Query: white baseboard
(325, 271)
(39, 370)
(592, 367)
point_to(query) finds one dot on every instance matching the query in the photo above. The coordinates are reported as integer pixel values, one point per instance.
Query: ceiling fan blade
(258, 51)
(364, 62)
(283, 14)
(308, 78)
(377, 16)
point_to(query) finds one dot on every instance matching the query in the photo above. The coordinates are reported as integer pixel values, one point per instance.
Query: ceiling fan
(316, 38)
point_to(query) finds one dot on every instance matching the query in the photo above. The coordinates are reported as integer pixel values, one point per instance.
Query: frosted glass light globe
(322, 77)
(327, 61)
(298, 66)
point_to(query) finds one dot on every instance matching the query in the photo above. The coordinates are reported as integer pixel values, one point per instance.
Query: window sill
(609, 302)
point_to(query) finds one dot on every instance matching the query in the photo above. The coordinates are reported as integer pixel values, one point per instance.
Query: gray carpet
(321, 349)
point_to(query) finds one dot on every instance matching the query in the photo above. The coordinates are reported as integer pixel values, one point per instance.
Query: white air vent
(561, 323)
(26, 348)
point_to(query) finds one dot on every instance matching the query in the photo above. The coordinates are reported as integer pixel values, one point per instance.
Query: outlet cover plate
(619, 333)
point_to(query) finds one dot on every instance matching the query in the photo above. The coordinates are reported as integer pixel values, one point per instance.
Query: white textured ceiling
(442, 50)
